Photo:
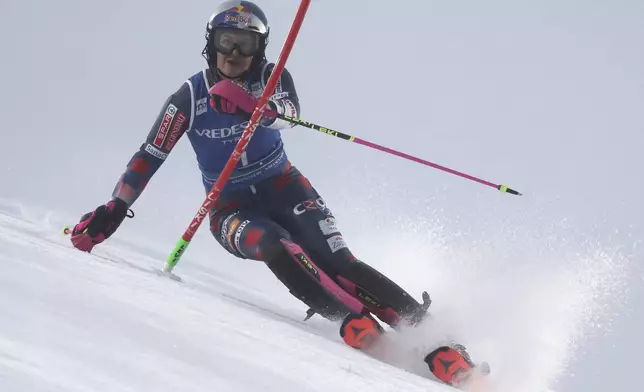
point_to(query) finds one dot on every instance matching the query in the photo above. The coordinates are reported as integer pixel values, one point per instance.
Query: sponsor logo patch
(232, 228)
(308, 265)
(223, 234)
(202, 106)
(310, 205)
(222, 133)
(239, 232)
(170, 111)
(175, 131)
(256, 89)
(238, 18)
(289, 108)
(328, 226)
(150, 149)
(336, 243)
(281, 95)
(368, 297)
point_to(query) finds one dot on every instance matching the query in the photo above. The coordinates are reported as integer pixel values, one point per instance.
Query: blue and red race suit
(268, 210)
(213, 135)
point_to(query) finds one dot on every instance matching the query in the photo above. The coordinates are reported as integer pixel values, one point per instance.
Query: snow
(79, 322)
(110, 322)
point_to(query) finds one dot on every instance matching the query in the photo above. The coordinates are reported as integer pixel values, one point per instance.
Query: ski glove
(98, 225)
(228, 97)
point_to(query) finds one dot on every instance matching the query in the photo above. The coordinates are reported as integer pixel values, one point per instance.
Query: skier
(268, 210)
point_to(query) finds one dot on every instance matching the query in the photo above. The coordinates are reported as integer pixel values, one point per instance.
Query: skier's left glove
(228, 97)
(98, 225)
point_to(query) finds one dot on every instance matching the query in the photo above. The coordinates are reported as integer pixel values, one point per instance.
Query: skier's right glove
(98, 225)
(228, 97)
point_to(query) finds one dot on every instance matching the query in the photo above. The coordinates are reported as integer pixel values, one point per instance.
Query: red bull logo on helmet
(237, 15)
(241, 17)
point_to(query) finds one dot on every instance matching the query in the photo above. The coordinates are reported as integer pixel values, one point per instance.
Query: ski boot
(360, 331)
(453, 365)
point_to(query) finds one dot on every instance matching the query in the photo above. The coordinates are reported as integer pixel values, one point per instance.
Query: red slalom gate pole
(234, 158)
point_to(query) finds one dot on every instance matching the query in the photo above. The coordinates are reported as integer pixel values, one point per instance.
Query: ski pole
(234, 158)
(344, 136)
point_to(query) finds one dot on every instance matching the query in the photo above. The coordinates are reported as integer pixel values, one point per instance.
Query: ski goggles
(246, 42)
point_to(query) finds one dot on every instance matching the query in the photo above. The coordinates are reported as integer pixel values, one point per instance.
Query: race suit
(268, 210)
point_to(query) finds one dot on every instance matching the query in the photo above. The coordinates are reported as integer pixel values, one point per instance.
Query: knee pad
(223, 227)
(246, 235)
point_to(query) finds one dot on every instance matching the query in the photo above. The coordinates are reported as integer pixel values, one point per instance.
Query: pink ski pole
(344, 136)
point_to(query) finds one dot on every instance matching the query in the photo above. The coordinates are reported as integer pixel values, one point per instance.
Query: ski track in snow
(108, 322)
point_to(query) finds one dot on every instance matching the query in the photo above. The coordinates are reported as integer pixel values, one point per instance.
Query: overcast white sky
(544, 95)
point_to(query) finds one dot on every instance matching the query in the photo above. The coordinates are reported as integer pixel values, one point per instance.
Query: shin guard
(384, 298)
(308, 283)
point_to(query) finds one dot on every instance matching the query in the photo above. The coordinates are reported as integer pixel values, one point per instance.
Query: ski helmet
(239, 15)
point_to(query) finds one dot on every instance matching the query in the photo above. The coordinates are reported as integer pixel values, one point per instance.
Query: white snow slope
(78, 322)
(107, 322)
